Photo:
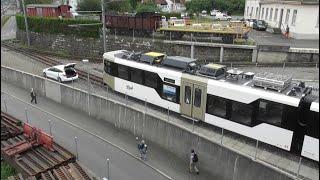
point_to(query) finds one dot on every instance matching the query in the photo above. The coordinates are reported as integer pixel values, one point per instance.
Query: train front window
(187, 94)
(270, 112)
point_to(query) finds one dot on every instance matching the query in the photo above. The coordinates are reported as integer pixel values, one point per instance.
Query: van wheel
(44, 75)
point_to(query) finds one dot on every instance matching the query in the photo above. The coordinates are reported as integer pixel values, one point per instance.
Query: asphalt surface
(92, 151)
(8, 31)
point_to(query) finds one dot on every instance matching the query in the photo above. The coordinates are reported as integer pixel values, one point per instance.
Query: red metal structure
(34, 137)
(49, 10)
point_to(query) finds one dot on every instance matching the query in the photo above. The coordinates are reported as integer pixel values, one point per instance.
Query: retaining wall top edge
(304, 50)
(210, 44)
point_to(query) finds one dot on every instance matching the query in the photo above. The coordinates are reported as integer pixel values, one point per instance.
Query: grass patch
(7, 170)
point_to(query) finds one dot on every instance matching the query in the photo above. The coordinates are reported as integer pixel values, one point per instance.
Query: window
(270, 112)
(267, 12)
(287, 16)
(197, 97)
(187, 94)
(169, 92)
(275, 15)
(270, 17)
(257, 11)
(216, 106)
(262, 13)
(251, 11)
(123, 72)
(294, 16)
(317, 24)
(137, 75)
(111, 68)
(241, 113)
(151, 79)
(247, 11)
(39, 11)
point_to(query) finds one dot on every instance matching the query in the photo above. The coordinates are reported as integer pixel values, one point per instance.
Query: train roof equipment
(213, 70)
(179, 62)
(152, 57)
(281, 83)
(277, 82)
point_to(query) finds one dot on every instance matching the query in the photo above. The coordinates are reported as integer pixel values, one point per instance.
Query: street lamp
(86, 61)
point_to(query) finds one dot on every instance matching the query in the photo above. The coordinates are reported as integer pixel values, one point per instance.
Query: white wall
(251, 5)
(306, 19)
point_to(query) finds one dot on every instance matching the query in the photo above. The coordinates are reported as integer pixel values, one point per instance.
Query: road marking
(97, 136)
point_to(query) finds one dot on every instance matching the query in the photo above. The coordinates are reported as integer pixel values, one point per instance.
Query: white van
(222, 17)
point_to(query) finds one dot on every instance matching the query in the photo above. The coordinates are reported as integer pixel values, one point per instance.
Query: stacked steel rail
(10, 127)
(36, 161)
(51, 62)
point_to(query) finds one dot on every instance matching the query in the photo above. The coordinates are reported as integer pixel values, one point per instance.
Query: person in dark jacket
(143, 150)
(33, 96)
(193, 162)
(287, 32)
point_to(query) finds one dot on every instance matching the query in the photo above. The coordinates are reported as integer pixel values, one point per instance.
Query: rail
(51, 62)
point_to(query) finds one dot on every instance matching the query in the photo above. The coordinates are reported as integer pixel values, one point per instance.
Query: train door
(193, 99)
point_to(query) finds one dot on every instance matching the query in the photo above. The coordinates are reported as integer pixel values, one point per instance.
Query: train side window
(151, 79)
(187, 94)
(241, 113)
(216, 106)
(270, 112)
(313, 124)
(197, 97)
(123, 72)
(137, 75)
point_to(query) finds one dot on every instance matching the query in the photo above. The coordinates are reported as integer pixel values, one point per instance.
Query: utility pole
(103, 26)
(25, 22)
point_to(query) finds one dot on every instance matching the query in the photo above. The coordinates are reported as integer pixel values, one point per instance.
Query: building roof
(47, 5)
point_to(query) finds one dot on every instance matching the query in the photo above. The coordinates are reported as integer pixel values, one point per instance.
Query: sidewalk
(158, 158)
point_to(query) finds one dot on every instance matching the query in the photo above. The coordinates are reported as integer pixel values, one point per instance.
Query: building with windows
(302, 16)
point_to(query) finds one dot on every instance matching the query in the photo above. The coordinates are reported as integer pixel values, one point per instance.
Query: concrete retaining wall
(205, 52)
(222, 163)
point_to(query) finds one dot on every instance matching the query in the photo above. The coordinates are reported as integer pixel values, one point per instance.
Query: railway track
(38, 162)
(51, 62)
(10, 127)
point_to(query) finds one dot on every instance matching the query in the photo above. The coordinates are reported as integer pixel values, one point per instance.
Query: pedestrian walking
(142, 147)
(33, 96)
(287, 31)
(193, 162)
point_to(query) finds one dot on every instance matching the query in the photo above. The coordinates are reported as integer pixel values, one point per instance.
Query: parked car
(251, 22)
(61, 73)
(214, 12)
(222, 17)
(260, 25)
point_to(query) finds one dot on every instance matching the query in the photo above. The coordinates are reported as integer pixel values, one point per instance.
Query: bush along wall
(61, 26)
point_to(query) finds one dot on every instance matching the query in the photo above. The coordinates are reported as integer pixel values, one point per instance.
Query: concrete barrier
(221, 162)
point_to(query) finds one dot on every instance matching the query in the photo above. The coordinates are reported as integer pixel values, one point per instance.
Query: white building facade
(301, 17)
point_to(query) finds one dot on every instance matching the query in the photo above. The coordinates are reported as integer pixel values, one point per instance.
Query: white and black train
(262, 106)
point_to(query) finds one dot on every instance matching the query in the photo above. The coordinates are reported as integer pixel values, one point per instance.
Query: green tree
(147, 7)
(232, 6)
(89, 5)
(119, 6)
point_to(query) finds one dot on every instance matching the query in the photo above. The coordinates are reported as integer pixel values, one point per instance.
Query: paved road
(92, 151)
(267, 38)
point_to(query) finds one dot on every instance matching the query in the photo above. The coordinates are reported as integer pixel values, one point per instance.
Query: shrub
(57, 26)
